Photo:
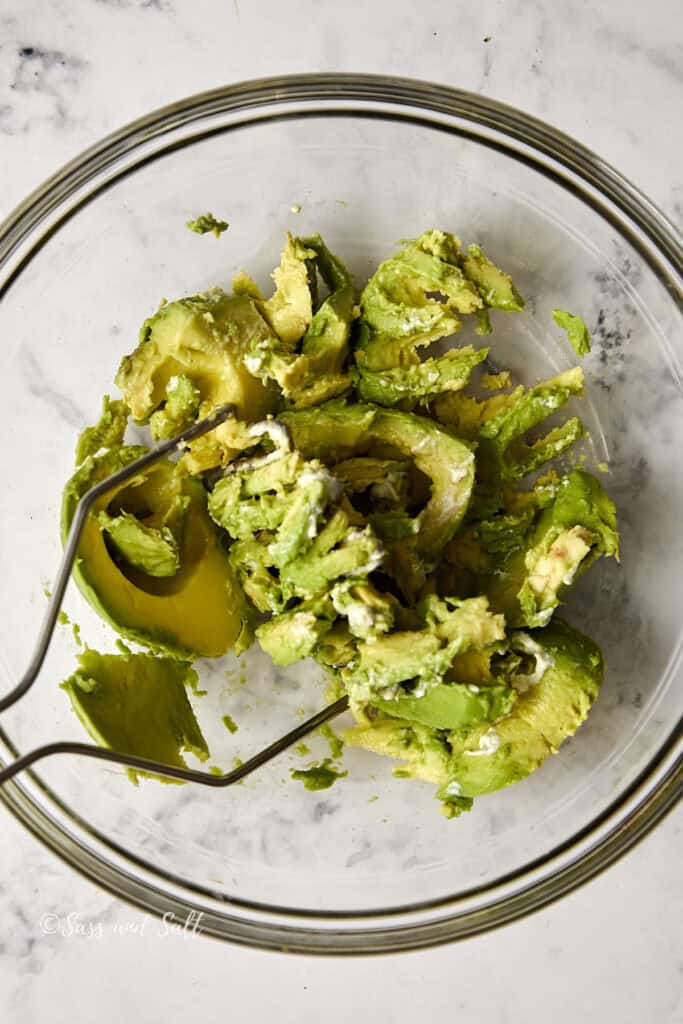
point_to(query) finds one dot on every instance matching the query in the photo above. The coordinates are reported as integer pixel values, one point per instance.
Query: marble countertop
(609, 74)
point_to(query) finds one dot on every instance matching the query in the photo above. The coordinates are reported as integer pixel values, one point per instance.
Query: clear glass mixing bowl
(369, 161)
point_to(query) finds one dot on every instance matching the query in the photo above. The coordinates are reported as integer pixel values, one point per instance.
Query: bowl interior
(364, 183)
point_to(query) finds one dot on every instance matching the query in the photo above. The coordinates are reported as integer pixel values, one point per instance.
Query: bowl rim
(597, 183)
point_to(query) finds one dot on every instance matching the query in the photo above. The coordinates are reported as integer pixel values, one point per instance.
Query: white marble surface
(609, 74)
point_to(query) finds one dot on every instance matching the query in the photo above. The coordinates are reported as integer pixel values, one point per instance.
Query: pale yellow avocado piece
(200, 610)
(423, 750)
(202, 338)
(551, 569)
(290, 310)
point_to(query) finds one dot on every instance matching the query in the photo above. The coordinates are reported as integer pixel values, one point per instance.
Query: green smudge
(318, 776)
(207, 223)
(335, 742)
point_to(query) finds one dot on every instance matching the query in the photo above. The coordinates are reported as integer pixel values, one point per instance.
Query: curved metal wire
(47, 628)
(170, 771)
(49, 622)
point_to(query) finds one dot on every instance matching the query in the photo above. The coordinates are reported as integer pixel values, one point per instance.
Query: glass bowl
(369, 161)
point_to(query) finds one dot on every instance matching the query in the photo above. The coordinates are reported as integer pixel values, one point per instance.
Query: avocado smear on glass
(365, 508)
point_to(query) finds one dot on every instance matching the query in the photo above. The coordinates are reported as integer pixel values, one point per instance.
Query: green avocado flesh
(137, 704)
(451, 705)
(390, 510)
(206, 223)
(503, 748)
(318, 776)
(150, 561)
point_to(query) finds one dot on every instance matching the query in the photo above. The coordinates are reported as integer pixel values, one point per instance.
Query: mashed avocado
(416, 298)
(371, 505)
(308, 350)
(200, 341)
(318, 776)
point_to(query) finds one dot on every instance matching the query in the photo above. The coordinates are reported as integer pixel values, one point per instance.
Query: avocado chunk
(286, 497)
(297, 554)
(295, 634)
(421, 657)
(496, 288)
(154, 551)
(499, 424)
(577, 332)
(179, 411)
(470, 761)
(205, 223)
(385, 480)
(137, 704)
(307, 354)
(411, 301)
(107, 433)
(369, 612)
(501, 436)
(544, 715)
(421, 380)
(529, 574)
(200, 608)
(290, 309)
(252, 563)
(318, 775)
(332, 431)
(330, 556)
(245, 502)
(204, 340)
(424, 751)
(451, 705)
(335, 431)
